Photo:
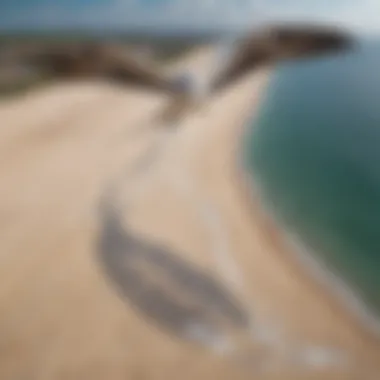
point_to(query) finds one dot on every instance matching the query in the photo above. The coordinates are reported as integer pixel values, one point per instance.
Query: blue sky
(363, 15)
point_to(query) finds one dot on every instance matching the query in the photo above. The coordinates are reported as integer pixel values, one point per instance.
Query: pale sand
(66, 311)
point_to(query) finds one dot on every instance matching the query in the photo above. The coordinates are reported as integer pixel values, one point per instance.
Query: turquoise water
(314, 152)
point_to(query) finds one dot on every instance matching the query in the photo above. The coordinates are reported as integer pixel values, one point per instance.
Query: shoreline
(190, 207)
(337, 292)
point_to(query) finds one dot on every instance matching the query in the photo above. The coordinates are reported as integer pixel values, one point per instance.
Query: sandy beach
(134, 251)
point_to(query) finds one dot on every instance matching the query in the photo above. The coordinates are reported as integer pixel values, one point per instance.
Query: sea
(313, 151)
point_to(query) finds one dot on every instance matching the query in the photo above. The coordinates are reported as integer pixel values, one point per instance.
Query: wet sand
(131, 251)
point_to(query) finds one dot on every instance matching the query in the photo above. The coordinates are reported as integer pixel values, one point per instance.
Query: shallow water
(314, 152)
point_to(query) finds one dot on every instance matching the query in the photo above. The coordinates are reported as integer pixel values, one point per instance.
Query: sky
(360, 15)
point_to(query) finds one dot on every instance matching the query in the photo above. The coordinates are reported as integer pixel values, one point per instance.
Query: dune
(133, 250)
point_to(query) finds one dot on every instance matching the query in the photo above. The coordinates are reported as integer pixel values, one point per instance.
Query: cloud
(362, 16)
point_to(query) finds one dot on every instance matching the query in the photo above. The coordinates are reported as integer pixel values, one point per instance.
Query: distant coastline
(157, 35)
